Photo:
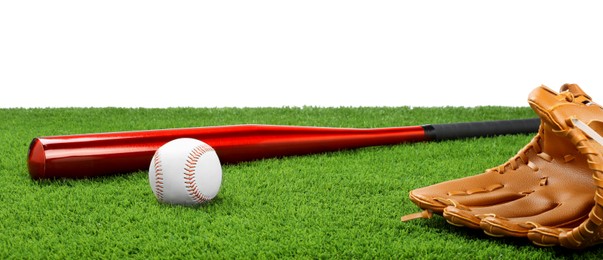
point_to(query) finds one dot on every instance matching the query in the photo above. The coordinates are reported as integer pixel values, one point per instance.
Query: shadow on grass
(208, 205)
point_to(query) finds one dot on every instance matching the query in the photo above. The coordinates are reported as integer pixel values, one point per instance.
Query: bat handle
(439, 132)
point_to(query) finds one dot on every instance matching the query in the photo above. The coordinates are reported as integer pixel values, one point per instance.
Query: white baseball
(185, 171)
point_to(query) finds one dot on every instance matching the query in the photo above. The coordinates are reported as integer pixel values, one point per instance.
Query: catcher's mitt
(546, 192)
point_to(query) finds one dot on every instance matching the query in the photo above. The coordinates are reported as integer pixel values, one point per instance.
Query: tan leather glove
(550, 192)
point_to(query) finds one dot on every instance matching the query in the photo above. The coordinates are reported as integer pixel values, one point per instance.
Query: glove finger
(546, 236)
(563, 215)
(588, 233)
(506, 219)
(486, 189)
(576, 238)
(502, 227)
(461, 217)
(472, 216)
(437, 202)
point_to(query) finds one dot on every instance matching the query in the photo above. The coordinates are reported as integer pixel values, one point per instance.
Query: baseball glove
(551, 191)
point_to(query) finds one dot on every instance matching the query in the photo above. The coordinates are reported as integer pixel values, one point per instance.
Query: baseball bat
(97, 154)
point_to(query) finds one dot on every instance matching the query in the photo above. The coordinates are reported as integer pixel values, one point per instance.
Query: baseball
(185, 171)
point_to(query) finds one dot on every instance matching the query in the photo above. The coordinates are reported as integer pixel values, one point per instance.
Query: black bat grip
(439, 132)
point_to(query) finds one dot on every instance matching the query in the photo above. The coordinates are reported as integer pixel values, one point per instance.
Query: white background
(294, 53)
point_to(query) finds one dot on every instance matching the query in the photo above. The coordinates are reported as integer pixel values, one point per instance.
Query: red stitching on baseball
(158, 177)
(189, 173)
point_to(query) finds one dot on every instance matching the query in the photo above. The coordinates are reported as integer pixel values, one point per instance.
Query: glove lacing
(522, 157)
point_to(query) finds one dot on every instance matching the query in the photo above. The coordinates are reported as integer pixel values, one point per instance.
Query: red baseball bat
(89, 155)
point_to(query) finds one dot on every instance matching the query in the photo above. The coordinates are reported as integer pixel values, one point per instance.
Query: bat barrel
(85, 161)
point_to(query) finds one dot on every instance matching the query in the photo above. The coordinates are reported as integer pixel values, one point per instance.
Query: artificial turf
(343, 204)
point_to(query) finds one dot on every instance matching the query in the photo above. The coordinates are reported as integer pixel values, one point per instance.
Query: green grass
(336, 205)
